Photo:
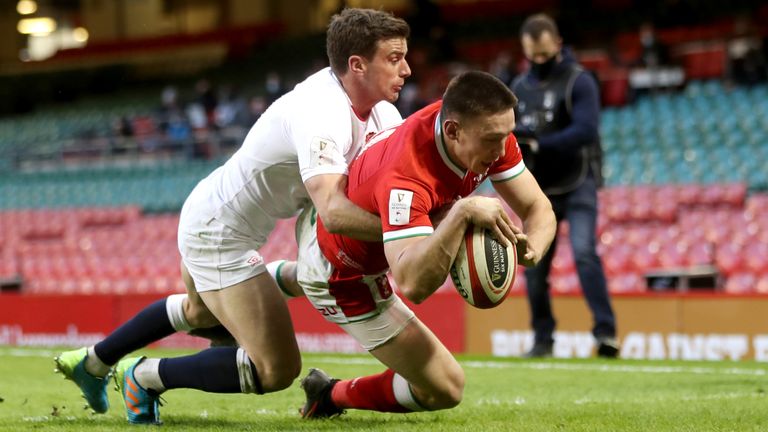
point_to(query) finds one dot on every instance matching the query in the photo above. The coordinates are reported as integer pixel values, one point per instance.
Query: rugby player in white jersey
(296, 155)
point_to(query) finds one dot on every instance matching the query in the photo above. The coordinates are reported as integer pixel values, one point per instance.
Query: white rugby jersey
(310, 130)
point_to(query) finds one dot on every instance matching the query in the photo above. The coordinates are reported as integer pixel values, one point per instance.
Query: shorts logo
(400, 206)
(255, 260)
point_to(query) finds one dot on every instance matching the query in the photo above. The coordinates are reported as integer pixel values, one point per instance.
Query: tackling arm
(338, 213)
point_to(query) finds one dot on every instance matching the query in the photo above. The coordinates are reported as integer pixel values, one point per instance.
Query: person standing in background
(558, 117)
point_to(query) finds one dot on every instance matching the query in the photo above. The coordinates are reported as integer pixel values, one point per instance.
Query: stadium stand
(125, 250)
(101, 250)
(684, 171)
(707, 134)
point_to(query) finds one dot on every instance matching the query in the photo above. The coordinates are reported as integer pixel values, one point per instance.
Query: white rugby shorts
(216, 256)
(363, 305)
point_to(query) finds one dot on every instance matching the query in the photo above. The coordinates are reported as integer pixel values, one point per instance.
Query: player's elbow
(417, 289)
(410, 291)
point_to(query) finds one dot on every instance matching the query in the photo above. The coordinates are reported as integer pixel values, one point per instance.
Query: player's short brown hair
(475, 93)
(356, 32)
(535, 25)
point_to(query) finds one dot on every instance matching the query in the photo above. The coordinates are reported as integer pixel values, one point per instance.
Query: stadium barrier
(673, 326)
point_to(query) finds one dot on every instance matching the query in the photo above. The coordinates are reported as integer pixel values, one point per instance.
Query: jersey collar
(443, 150)
(343, 90)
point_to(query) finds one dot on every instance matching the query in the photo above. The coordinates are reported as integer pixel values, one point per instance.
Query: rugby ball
(484, 270)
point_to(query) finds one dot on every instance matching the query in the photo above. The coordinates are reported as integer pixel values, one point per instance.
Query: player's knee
(449, 394)
(453, 393)
(280, 375)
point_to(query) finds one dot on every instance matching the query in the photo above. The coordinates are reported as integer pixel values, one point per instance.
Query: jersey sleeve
(511, 165)
(322, 137)
(404, 210)
(389, 115)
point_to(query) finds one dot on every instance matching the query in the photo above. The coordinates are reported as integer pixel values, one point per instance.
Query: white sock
(147, 374)
(273, 269)
(174, 306)
(404, 394)
(94, 365)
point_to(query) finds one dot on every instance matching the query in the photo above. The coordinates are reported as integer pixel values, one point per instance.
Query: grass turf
(500, 395)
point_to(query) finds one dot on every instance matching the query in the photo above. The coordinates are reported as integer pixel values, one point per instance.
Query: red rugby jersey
(402, 175)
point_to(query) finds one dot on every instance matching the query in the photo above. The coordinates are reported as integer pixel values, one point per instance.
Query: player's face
(387, 70)
(482, 141)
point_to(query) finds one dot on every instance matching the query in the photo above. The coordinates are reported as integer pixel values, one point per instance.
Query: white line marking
(473, 364)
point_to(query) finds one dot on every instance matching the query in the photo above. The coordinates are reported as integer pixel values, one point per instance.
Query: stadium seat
(565, 284)
(761, 286)
(643, 259)
(740, 283)
(562, 262)
(755, 256)
(616, 259)
(729, 259)
(629, 282)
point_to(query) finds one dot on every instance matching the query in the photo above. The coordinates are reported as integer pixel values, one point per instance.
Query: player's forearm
(345, 218)
(540, 226)
(423, 267)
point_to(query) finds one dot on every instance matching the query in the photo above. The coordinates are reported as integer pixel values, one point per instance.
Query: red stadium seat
(672, 255)
(664, 210)
(741, 283)
(756, 258)
(761, 286)
(699, 254)
(643, 259)
(689, 194)
(616, 260)
(626, 283)
(520, 283)
(562, 262)
(728, 258)
(756, 207)
(565, 284)
(704, 61)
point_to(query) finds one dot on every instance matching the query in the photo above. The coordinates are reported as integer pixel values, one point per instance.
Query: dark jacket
(562, 112)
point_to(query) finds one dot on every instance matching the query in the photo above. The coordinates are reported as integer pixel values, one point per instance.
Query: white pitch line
(699, 370)
(576, 367)
(23, 352)
(474, 364)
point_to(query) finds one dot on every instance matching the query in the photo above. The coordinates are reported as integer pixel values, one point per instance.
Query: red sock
(373, 392)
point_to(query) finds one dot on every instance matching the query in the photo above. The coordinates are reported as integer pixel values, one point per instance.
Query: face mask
(542, 70)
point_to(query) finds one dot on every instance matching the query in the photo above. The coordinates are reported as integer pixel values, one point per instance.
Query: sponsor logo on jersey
(400, 206)
(321, 152)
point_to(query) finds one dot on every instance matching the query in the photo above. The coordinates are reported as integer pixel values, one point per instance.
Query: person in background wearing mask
(558, 116)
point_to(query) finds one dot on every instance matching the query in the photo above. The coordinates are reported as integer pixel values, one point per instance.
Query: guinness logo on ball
(497, 260)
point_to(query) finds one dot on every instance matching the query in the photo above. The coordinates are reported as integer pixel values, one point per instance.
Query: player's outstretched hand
(526, 255)
(488, 213)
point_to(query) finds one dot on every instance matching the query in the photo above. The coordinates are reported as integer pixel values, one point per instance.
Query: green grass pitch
(500, 395)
